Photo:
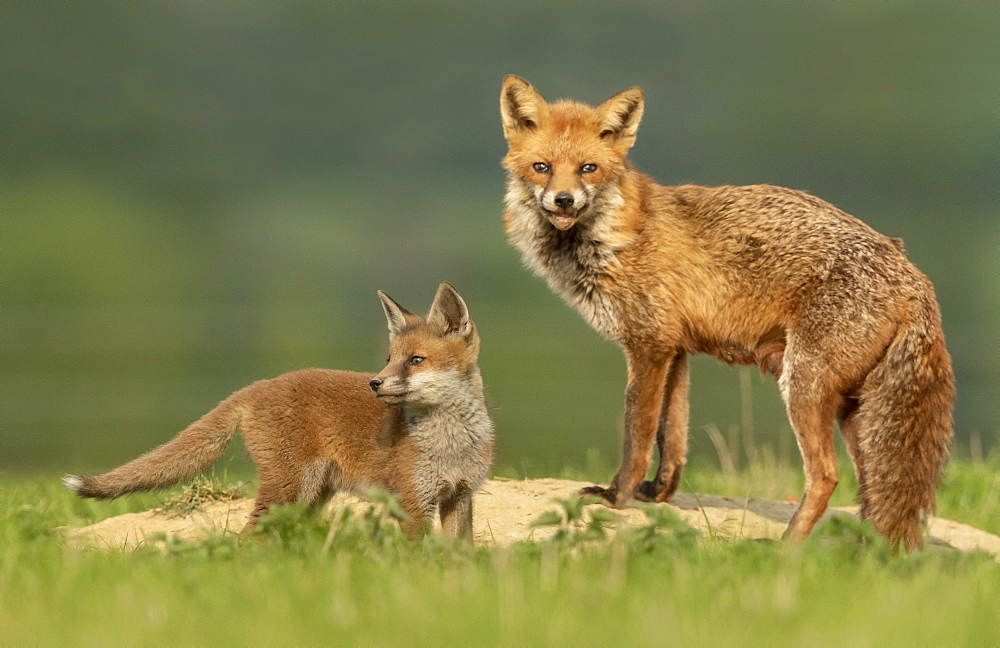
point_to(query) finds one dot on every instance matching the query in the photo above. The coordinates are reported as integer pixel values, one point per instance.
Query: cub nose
(375, 383)
(563, 200)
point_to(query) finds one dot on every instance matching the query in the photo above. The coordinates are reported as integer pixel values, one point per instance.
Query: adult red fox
(752, 275)
(424, 434)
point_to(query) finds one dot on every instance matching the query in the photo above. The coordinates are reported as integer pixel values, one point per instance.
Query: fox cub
(419, 428)
(756, 275)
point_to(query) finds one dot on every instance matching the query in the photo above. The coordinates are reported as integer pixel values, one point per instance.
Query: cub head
(566, 159)
(429, 359)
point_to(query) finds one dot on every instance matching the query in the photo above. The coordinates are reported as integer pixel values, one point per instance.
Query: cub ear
(448, 313)
(619, 117)
(521, 107)
(395, 315)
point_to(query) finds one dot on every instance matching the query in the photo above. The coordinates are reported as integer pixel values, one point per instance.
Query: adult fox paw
(653, 491)
(609, 496)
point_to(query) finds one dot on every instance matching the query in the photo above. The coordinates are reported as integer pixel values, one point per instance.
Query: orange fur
(419, 428)
(757, 275)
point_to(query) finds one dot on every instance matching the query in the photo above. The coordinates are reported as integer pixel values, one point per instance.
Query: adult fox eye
(588, 168)
(415, 360)
(540, 167)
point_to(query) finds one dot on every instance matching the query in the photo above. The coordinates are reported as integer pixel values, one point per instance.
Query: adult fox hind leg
(849, 422)
(671, 435)
(643, 403)
(811, 412)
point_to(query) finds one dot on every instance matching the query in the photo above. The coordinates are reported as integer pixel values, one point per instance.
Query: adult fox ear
(448, 313)
(397, 317)
(521, 107)
(619, 117)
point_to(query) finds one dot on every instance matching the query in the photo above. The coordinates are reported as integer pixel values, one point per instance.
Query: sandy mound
(505, 510)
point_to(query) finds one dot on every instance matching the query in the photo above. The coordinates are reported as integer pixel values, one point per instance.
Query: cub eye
(588, 168)
(415, 360)
(388, 359)
(540, 167)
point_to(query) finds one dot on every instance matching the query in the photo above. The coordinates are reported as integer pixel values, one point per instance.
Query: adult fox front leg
(671, 435)
(644, 404)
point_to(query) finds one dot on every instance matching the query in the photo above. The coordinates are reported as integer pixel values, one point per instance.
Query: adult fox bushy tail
(419, 428)
(756, 275)
(906, 410)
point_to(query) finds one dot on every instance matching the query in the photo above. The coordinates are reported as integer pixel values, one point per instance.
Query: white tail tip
(72, 482)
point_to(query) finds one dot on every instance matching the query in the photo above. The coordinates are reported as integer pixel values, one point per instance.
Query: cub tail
(196, 448)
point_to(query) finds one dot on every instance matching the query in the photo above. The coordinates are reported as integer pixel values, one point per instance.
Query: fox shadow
(775, 510)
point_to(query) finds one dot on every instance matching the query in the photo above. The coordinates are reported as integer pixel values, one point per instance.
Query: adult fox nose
(375, 383)
(563, 200)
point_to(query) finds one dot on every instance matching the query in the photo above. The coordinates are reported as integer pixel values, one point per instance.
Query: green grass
(365, 584)
(191, 497)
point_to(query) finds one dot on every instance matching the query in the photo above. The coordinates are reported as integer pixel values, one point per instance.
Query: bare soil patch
(504, 513)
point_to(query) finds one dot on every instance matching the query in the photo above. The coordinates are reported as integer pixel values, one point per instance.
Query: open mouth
(562, 220)
(391, 398)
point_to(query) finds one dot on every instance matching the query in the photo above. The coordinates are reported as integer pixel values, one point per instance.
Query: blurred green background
(195, 195)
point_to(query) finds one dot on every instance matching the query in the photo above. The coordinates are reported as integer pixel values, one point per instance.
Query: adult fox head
(566, 159)
(430, 360)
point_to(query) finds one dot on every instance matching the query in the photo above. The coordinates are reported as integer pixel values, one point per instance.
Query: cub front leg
(643, 403)
(456, 516)
(418, 506)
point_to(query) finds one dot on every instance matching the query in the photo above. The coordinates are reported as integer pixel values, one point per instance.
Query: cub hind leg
(313, 483)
